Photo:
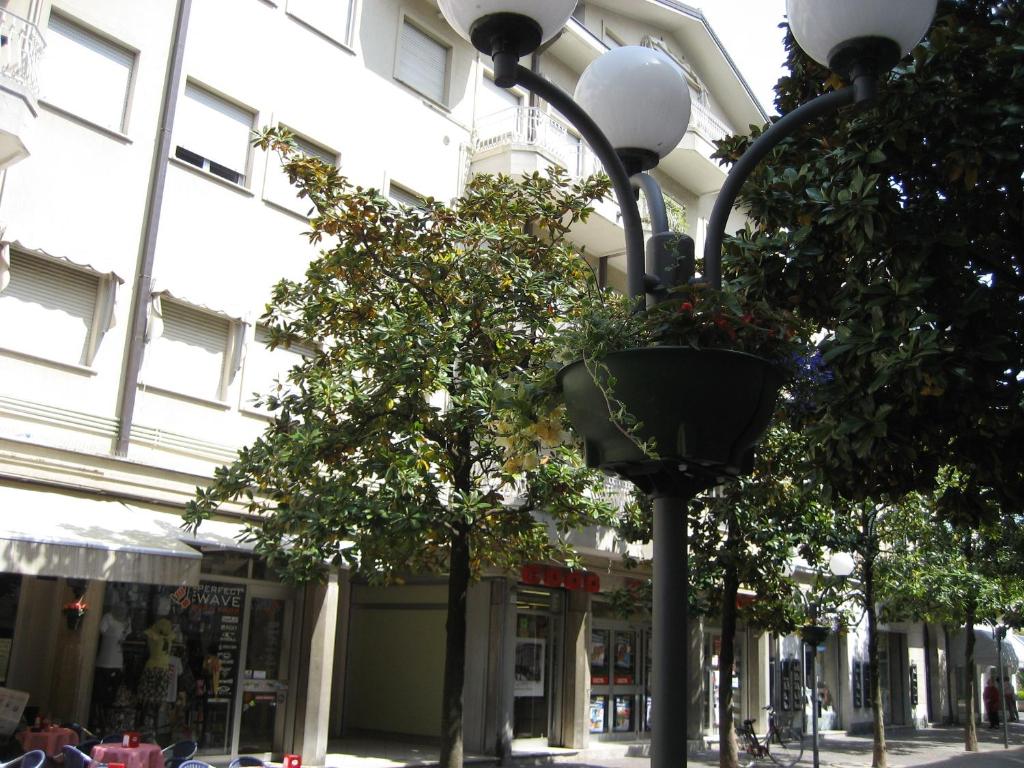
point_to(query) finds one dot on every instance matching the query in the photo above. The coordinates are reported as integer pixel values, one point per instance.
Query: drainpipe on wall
(150, 227)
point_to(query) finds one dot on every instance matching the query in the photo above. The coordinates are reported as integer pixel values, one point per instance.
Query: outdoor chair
(247, 761)
(195, 764)
(34, 759)
(74, 757)
(179, 753)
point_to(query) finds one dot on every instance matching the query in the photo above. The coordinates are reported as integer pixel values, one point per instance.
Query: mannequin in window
(114, 627)
(153, 683)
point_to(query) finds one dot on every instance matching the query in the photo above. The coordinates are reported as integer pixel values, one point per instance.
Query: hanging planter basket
(702, 410)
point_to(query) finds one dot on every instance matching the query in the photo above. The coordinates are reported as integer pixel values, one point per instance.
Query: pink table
(50, 740)
(142, 756)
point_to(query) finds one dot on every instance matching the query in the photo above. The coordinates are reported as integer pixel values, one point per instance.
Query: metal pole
(671, 635)
(1002, 693)
(767, 141)
(814, 700)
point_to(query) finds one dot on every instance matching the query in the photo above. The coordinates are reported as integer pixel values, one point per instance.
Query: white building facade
(140, 235)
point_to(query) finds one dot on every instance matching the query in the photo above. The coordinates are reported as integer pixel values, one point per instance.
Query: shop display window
(10, 587)
(625, 658)
(624, 713)
(600, 659)
(598, 714)
(167, 662)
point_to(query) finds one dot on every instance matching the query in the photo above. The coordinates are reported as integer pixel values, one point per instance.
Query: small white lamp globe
(840, 564)
(822, 27)
(639, 98)
(549, 15)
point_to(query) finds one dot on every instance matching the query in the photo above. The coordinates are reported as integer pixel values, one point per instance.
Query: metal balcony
(21, 47)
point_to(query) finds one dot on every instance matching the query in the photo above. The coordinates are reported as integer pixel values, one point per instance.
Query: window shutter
(188, 356)
(332, 17)
(47, 309)
(214, 128)
(275, 185)
(400, 196)
(494, 99)
(264, 367)
(423, 62)
(85, 74)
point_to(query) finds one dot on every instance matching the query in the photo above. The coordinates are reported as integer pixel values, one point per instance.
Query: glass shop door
(265, 678)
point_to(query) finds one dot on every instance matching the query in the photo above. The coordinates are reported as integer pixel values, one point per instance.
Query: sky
(749, 31)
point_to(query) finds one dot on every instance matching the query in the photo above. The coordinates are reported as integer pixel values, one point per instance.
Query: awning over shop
(52, 533)
(986, 650)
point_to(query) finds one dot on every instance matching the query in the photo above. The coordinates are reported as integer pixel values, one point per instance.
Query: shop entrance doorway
(265, 672)
(620, 672)
(537, 686)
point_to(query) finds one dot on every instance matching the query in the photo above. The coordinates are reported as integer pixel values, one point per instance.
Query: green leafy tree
(395, 446)
(897, 228)
(956, 565)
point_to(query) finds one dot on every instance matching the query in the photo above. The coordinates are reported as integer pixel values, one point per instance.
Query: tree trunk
(878, 755)
(728, 756)
(970, 724)
(455, 652)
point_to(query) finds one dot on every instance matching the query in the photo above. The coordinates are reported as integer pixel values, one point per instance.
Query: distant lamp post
(1000, 633)
(633, 109)
(840, 566)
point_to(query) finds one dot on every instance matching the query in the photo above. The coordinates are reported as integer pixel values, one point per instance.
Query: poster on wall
(529, 667)
(869, 691)
(913, 685)
(625, 658)
(786, 699)
(217, 609)
(623, 714)
(598, 713)
(599, 657)
(858, 692)
(12, 704)
(5, 657)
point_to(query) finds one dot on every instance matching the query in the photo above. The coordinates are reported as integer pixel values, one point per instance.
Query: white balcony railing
(704, 122)
(533, 128)
(21, 47)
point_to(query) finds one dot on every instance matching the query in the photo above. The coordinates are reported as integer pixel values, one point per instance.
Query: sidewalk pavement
(939, 747)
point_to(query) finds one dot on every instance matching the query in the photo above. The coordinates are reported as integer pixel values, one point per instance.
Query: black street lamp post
(840, 566)
(632, 106)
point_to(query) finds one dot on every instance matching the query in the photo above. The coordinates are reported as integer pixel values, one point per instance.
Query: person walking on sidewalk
(990, 697)
(1011, 701)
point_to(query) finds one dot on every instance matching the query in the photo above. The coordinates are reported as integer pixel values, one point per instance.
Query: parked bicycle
(783, 745)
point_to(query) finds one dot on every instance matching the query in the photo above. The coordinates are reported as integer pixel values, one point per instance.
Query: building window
(86, 75)
(213, 134)
(53, 310)
(402, 196)
(276, 187)
(191, 351)
(423, 62)
(266, 370)
(332, 18)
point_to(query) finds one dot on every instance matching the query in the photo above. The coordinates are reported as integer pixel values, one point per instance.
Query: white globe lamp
(841, 564)
(868, 36)
(518, 26)
(640, 100)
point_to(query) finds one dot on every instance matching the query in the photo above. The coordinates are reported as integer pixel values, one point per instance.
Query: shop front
(620, 672)
(112, 617)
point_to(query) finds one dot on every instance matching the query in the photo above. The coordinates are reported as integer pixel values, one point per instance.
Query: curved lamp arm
(613, 166)
(765, 143)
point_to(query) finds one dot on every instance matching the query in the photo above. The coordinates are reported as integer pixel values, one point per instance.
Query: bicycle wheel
(786, 747)
(746, 754)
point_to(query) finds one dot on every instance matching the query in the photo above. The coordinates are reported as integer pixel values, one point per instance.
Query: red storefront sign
(555, 576)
